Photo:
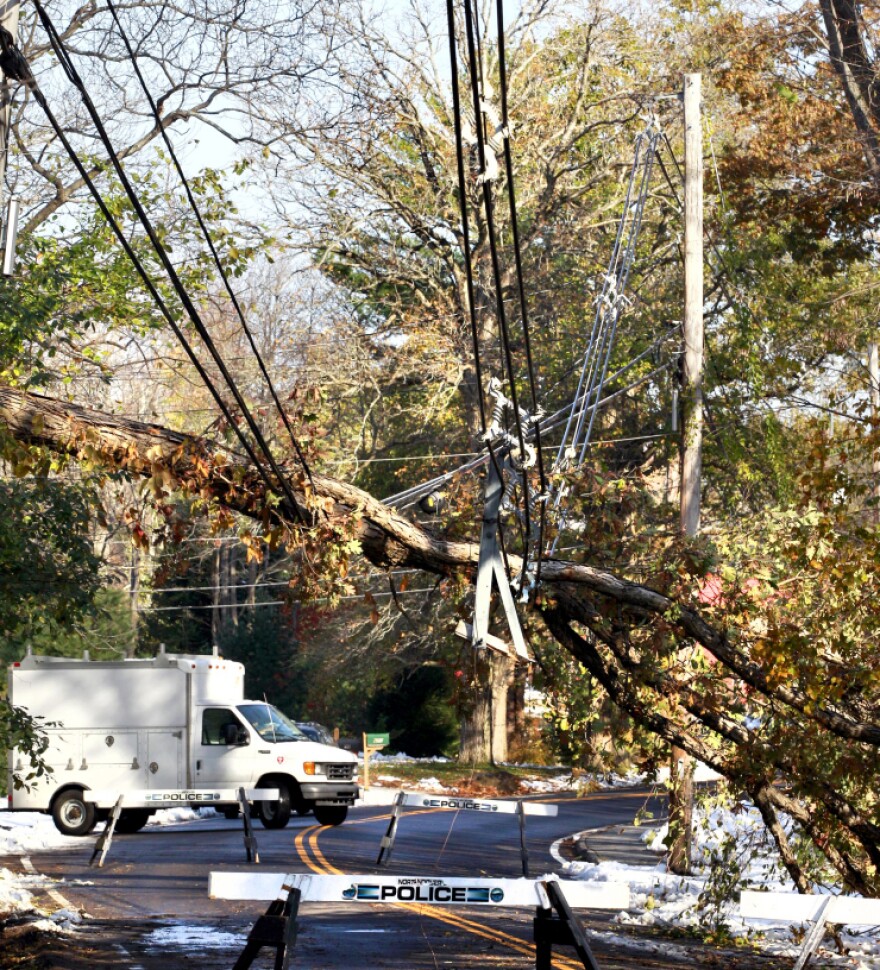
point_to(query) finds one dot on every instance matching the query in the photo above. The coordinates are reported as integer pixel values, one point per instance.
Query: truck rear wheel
(275, 815)
(330, 814)
(132, 820)
(72, 814)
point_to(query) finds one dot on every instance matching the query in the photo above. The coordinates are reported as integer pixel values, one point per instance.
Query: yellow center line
(307, 841)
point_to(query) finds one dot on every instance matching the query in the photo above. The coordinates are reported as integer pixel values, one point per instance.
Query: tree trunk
(857, 73)
(575, 594)
(474, 714)
(516, 712)
(681, 811)
(252, 583)
(134, 588)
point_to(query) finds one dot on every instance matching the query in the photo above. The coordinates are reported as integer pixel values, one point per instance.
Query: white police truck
(176, 725)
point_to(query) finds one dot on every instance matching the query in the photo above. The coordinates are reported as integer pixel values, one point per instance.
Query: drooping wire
(517, 255)
(462, 196)
(488, 204)
(28, 79)
(410, 496)
(579, 427)
(69, 68)
(609, 299)
(207, 237)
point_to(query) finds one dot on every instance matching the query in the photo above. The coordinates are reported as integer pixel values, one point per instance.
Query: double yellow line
(309, 852)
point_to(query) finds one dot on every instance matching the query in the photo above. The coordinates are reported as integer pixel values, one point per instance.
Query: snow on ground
(24, 832)
(188, 936)
(728, 841)
(402, 759)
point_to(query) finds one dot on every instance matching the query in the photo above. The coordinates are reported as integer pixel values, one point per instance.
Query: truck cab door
(223, 757)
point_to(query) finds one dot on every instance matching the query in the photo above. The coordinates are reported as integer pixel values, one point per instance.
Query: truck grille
(340, 772)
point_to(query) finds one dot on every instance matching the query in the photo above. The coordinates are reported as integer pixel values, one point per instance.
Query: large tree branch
(683, 735)
(387, 537)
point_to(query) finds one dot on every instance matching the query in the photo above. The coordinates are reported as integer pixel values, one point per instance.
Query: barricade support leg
(275, 929)
(563, 929)
(523, 848)
(102, 846)
(813, 938)
(250, 840)
(387, 843)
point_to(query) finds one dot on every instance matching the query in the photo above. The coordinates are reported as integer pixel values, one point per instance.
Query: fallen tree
(796, 745)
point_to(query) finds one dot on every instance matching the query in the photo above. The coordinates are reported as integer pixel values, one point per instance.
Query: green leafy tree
(21, 732)
(49, 571)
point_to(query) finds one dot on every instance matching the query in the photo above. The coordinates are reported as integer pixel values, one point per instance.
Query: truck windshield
(270, 723)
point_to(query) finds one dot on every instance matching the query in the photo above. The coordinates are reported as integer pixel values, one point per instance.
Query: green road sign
(377, 740)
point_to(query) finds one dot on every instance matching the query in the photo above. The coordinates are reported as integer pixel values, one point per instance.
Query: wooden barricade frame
(174, 798)
(547, 895)
(504, 806)
(819, 910)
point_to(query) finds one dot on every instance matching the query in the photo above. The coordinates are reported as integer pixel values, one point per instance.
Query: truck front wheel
(72, 814)
(275, 815)
(330, 814)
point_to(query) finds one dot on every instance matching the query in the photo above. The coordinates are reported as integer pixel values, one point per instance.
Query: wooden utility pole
(692, 379)
(681, 796)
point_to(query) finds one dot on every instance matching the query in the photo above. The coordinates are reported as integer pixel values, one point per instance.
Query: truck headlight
(309, 767)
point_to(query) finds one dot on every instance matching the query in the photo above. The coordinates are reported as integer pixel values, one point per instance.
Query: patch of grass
(486, 780)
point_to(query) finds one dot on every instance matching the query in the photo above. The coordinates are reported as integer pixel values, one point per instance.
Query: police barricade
(517, 807)
(287, 890)
(819, 910)
(150, 798)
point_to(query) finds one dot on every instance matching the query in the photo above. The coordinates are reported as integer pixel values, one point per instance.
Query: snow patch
(192, 936)
(663, 899)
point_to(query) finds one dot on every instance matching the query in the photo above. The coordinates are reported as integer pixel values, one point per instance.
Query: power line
(462, 202)
(411, 495)
(61, 52)
(27, 78)
(517, 255)
(207, 236)
(477, 85)
(249, 606)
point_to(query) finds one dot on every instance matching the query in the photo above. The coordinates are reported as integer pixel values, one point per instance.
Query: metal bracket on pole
(102, 846)
(491, 568)
(387, 843)
(275, 929)
(250, 840)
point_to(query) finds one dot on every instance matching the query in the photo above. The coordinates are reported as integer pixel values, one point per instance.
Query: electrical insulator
(433, 504)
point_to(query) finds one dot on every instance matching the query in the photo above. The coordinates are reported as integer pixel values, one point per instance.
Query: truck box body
(164, 723)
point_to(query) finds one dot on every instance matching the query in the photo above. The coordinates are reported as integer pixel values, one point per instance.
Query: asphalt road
(150, 908)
